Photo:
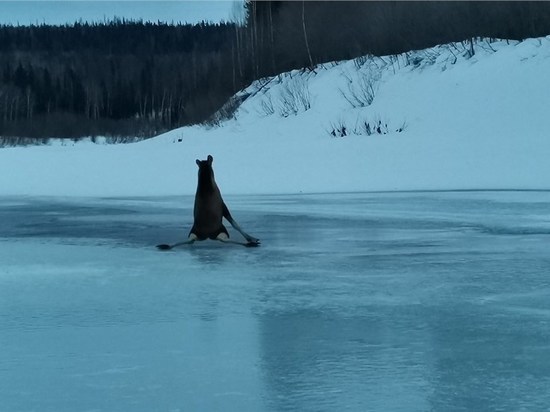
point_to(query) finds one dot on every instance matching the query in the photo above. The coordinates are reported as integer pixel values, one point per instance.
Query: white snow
(470, 123)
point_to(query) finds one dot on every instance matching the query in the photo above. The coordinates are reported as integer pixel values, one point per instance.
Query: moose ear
(210, 159)
(198, 162)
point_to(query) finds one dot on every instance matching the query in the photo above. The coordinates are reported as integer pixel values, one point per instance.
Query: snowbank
(447, 121)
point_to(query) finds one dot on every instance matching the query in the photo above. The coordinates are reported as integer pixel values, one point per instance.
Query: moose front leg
(190, 240)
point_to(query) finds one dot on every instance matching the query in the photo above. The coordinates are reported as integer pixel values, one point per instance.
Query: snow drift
(425, 120)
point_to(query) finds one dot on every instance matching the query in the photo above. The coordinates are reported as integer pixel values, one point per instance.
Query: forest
(134, 79)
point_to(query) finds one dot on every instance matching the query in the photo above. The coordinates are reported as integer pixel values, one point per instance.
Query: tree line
(293, 34)
(116, 78)
(135, 78)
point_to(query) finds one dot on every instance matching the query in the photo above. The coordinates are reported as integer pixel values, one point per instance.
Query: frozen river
(435, 301)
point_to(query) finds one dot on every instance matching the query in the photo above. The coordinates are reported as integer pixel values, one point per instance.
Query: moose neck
(206, 184)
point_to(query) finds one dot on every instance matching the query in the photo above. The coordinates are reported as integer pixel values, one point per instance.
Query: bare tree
(305, 35)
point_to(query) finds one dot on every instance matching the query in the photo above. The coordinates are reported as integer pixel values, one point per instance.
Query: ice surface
(379, 301)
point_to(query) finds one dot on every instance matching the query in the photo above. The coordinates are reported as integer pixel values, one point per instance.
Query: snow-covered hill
(439, 119)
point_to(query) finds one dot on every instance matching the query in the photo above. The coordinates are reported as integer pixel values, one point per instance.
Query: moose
(209, 211)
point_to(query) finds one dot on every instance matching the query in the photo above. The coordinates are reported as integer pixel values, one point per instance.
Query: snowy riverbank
(468, 123)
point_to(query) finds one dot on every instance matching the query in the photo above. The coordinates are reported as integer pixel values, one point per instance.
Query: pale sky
(25, 12)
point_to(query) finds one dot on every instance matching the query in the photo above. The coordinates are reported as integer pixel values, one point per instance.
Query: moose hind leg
(223, 237)
(250, 239)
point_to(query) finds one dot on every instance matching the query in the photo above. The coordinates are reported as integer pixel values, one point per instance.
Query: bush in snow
(266, 106)
(295, 97)
(226, 112)
(290, 97)
(338, 129)
(363, 127)
(360, 88)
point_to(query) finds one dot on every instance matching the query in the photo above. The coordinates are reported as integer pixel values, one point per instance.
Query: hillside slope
(439, 119)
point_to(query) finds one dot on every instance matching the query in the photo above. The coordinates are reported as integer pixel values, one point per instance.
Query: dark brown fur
(209, 212)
